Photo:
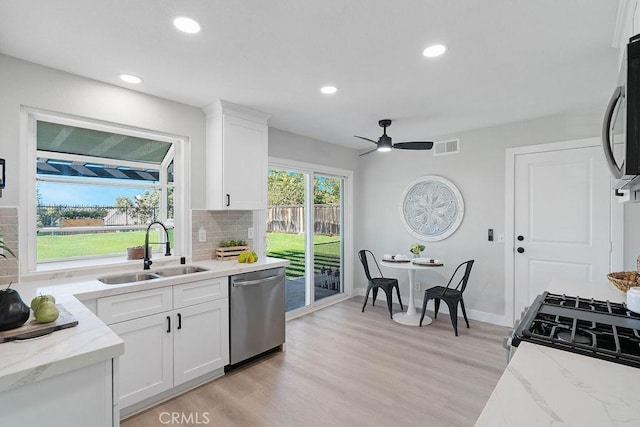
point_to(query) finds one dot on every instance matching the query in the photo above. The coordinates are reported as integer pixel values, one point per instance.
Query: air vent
(441, 148)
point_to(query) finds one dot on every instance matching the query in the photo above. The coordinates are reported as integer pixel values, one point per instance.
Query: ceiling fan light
(384, 148)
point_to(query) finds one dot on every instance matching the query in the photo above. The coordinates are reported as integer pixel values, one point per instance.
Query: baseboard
(136, 408)
(325, 302)
(481, 316)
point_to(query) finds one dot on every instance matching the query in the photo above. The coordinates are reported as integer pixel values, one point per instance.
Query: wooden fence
(290, 219)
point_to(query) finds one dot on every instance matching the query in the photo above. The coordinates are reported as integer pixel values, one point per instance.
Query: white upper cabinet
(237, 157)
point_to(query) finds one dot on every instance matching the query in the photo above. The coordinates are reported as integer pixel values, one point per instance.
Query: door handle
(179, 321)
(256, 282)
(616, 171)
(168, 324)
(228, 199)
(520, 238)
(520, 250)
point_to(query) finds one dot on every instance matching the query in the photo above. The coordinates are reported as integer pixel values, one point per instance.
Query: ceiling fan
(384, 142)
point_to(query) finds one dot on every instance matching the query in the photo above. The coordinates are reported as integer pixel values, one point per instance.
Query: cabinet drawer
(199, 292)
(119, 308)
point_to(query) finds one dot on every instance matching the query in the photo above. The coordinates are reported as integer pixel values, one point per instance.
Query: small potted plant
(416, 249)
(6, 248)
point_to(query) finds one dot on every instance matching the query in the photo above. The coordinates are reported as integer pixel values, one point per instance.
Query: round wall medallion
(431, 208)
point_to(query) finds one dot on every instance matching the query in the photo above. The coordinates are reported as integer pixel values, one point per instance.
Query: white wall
(478, 171)
(31, 85)
(287, 145)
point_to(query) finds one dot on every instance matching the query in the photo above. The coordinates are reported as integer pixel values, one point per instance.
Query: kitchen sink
(119, 279)
(177, 271)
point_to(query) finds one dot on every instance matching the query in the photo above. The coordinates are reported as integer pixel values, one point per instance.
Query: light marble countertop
(91, 341)
(543, 386)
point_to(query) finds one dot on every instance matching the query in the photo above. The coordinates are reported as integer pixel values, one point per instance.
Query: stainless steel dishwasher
(256, 313)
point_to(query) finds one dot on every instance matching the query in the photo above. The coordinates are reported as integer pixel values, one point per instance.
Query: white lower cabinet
(168, 348)
(201, 340)
(81, 397)
(146, 366)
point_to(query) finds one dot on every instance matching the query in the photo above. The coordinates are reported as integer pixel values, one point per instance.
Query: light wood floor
(347, 368)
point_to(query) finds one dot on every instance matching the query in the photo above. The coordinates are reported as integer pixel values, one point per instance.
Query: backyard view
(291, 247)
(74, 245)
(97, 189)
(75, 231)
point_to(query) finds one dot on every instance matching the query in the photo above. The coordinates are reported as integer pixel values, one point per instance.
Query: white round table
(411, 317)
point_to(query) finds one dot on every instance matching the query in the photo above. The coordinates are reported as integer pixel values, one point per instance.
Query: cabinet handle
(228, 199)
(168, 324)
(179, 321)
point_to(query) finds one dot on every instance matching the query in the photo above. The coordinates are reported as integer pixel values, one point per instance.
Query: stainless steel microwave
(622, 124)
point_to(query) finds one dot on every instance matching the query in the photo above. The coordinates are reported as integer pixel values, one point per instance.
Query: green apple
(46, 312)
(35, 303)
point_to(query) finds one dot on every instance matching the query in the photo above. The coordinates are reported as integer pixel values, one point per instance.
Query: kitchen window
(94, 189)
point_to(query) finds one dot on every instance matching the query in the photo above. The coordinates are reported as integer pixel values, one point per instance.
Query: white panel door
(562, 220)
(146, 368)
(201, 339)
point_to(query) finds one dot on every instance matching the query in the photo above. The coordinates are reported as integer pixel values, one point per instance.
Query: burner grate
(591, 327)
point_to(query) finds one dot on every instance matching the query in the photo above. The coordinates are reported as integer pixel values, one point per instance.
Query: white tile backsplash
(219, 225)
(9, 233)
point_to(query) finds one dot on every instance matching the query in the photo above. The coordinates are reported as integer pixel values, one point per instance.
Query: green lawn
(291, 247)
(61, 246)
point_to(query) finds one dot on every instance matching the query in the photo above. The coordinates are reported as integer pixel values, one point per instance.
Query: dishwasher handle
(257, 281)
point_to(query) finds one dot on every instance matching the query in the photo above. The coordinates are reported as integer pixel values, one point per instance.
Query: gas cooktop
(601, 329)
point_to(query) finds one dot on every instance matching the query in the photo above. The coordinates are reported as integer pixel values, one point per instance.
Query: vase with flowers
(416, 249)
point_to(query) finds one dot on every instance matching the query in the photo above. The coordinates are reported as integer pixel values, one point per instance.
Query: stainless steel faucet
(147, 261)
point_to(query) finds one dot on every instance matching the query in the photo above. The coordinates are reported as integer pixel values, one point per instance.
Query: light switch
(250, 233)
(202, 234)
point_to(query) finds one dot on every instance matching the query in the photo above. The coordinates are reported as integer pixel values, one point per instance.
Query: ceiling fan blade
(415, 145)
(366, 139)
(370, 151)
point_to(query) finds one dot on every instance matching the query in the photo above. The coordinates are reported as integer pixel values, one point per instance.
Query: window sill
(87, 266)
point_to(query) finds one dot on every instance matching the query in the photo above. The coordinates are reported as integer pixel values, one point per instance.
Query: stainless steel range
(601, 329)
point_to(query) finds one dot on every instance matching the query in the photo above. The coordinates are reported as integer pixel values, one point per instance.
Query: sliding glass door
(304, 225)
(327, 241)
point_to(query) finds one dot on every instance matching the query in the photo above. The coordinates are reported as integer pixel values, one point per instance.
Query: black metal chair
(385, 283)
(451, 296)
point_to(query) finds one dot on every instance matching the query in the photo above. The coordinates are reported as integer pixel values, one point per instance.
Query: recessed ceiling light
(187, 25)
(130, 78)
(435, 50)
(328, 90)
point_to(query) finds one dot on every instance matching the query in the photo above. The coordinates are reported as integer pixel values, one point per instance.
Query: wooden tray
(32, 329)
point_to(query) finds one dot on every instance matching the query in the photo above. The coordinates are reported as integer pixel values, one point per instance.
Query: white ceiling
(507, 60)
